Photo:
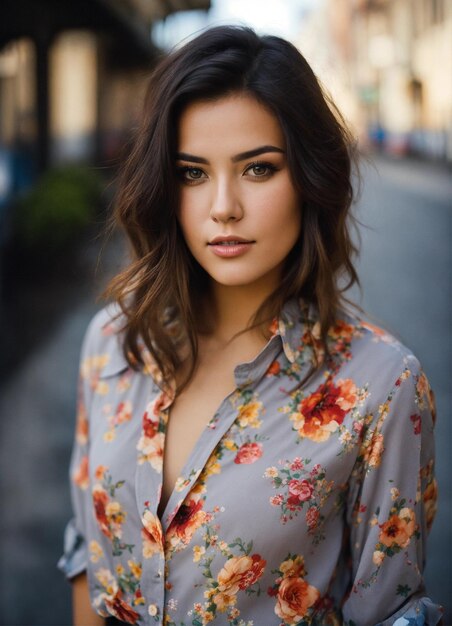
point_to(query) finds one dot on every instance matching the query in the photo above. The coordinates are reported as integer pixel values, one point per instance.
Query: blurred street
(405, 269)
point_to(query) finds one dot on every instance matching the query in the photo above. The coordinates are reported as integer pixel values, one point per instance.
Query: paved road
(406, 274)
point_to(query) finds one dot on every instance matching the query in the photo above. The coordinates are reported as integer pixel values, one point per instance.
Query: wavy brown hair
(163, 282)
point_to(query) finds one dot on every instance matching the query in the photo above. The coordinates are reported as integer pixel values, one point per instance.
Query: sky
(278, 17)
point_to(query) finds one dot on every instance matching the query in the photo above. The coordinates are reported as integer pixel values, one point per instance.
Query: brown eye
(194, 173)
(189, 174)
(260, 170)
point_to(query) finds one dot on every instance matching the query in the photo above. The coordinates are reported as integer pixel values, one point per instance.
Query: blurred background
(72, 76)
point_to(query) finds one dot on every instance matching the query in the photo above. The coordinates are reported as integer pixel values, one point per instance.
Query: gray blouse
(301, 503)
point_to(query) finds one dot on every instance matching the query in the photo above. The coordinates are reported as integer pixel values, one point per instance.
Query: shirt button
(153, 610)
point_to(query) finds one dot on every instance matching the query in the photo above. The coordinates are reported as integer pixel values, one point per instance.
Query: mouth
(229, 241)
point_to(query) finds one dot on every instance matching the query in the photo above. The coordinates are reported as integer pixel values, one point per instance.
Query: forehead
(229, 125)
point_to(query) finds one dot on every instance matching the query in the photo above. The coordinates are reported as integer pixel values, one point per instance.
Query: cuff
(75, 557)
(421, 612)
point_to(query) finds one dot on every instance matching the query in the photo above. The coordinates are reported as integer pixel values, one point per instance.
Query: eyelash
(182, 170)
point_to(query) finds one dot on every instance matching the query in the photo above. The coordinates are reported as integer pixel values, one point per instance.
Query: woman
(246, 452)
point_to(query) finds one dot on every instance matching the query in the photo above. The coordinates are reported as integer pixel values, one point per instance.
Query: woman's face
(239, 211)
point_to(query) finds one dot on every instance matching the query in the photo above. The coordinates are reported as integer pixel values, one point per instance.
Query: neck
(233, 309)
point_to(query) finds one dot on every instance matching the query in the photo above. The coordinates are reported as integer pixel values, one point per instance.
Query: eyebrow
(184, 156)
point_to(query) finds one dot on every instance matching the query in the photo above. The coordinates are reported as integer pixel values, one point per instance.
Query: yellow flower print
(102, 388)
(135, 568)
(95, 551)
(212, 466)
(198, 552)
(249, 414)
(109, 436)
(107, 580)
(229, 444)
(378, 557)
(119, 569)
(293, 567)
(224, 601)
(271, 472)
(93, 365)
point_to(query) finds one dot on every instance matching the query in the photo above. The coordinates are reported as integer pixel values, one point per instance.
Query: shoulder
(102, 348)
(371, 348)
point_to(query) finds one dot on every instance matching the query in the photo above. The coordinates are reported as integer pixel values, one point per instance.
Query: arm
(391, 507)
(82, 612)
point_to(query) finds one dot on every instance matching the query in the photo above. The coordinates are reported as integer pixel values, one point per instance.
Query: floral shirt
(301, 503)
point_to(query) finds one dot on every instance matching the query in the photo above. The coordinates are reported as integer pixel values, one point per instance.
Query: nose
(226, 205)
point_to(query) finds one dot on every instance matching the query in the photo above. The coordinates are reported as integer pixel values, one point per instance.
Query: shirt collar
(294, 326)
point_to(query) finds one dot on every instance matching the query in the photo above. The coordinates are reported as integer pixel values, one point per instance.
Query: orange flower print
(274, 369)
(295, 597)
(373, 450)
(81, 475)
(152, 535)
(323, 411)
(188, 519)
(110, 516)
(398, 530)
(152, 451)
(123, 412)
(239, 573)
(248, 453)
(430, 502)
(81, 434)
(425, 392)
(151, 441)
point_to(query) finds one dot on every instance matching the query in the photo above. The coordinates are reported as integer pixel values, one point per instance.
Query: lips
(230, 246)
(229, 240)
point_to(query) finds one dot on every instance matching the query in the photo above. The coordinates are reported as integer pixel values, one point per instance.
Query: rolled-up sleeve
(392, 503)
(75, 556)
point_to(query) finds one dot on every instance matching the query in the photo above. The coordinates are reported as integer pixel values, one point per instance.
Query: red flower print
(149, 426)
(248, 453)
(121, 610)
(297, 464)
(323, 411)
(187, 520)
(101, 500)
(302, 489)
(312, 516)
(416, 419)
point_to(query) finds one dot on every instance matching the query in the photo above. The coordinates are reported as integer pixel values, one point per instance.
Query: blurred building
(388, 63)
(71, 80)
